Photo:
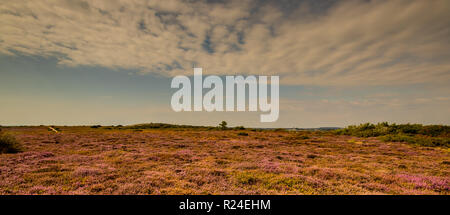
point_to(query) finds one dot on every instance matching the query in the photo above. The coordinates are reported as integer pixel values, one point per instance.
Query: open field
(85, 160)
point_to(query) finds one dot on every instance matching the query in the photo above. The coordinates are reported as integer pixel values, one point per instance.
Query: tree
(223, 125)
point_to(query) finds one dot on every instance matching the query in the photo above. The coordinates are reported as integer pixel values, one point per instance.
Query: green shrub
(418, 140)
(239, 128)
(280, 129)
(242, 134)
(435, 130)
(9, 144)
(428, 135)
(303, 137)
(397, 138)
(381, 129)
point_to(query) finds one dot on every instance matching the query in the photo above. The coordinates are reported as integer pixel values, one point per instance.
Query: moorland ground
(116, 160)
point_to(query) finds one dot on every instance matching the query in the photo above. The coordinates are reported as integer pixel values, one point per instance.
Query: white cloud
(352, 43)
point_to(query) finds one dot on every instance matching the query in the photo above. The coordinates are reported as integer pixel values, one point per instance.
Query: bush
(239, 128)
(381, 129)
(96, 126)
(428, 135)
(242, 134)
(397, 138)
(303, 137)
(435, 130)
(9, 144)
(418, 140)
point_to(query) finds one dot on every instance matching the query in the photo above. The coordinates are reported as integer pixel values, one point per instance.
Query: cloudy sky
(111, 61)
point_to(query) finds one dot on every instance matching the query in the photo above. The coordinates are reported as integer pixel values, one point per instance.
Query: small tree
(223, 125)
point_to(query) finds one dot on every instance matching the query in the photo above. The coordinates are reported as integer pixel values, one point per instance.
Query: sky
(73, 62)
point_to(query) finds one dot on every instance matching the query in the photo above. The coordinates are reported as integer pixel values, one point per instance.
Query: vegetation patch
(200, 161)
(271, 181)
(418, 140)
(9, 144)
(242, 134)
(423, 135)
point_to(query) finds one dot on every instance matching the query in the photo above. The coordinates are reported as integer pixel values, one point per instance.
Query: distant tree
(223, 125)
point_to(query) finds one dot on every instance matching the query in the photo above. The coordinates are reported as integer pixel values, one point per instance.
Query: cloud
(347, 43)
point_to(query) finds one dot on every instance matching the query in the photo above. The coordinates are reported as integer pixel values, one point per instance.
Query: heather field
(116, 160)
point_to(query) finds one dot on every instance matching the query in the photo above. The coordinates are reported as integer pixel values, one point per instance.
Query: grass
(418, 140)
(120, 160)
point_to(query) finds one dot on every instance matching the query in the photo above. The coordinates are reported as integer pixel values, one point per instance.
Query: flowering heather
(84, 160)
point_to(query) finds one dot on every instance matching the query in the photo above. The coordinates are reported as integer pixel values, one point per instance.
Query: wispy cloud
(348, 43)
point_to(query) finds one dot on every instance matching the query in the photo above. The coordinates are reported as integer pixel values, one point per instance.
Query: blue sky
(111, 62)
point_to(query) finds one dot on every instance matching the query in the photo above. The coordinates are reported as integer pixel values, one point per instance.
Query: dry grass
(84, 160)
